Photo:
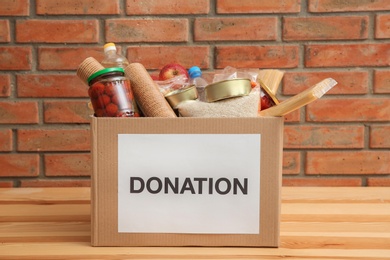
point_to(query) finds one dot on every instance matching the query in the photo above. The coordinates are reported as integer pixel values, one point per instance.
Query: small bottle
(196, 79)
(112, 58)
(111, 94)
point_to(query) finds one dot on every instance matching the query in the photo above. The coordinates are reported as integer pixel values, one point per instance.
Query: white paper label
(189, 183)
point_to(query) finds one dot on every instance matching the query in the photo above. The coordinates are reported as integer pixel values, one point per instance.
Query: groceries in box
(176, 92)
(211, 178)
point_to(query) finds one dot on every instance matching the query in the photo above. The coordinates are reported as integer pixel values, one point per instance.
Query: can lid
(174, 98)
(227, 89)
(104, 71)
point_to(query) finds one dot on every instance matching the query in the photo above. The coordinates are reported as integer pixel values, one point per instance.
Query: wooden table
(317, 223)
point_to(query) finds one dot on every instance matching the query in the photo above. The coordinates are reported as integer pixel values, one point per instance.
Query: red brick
(379, 136)
(382, 81)
(77, 7)
(165, 7)
(19, 112)
(378, 182)
(275, 56)
(19, 165)
(67, 164)
(4, 31)
(15, 8)
(325, 28)
(147, 30)
(5, 140)
(293, 117)
(348, 162)
(50, 85)
(323, 137)
(348, 82)
(382, 26)
(15, 58)
(347, 5)
(5, 85)
(66, 112)
(258, 6)
(349, 110)
(231, 29)
(53, 140)
(57, 58)
(6, 184)
(55, 183)
(347, 55)
(291, 162)
(155, 57)
(322, 182)
(57, 31)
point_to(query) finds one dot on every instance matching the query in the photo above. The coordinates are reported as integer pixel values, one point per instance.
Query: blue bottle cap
(194, 72)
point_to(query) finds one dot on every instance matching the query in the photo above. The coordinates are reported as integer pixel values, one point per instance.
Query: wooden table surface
(317, 223)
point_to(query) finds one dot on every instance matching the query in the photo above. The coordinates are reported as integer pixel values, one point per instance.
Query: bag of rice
(246, 106)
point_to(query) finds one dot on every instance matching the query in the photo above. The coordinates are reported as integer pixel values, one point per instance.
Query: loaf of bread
(87, 68)
(151, 102)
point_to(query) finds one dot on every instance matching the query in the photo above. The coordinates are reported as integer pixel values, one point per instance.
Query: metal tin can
(227, 89)
(176, 97)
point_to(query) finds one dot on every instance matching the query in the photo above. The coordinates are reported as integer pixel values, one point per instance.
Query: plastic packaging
(269, 80)
(172, 84)
(305, 97)
(111, 94)
(196, 79)
(233, 73)
(245, 106)
(267, 96)
(112, 58)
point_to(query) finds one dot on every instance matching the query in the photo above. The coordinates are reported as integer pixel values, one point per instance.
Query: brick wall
(340, 140)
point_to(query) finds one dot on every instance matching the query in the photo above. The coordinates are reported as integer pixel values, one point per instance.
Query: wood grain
(45, 195)
(317, 223)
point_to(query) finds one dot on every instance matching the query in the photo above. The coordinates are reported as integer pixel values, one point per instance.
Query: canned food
(176, 97)
(111, 94)
(227, 89)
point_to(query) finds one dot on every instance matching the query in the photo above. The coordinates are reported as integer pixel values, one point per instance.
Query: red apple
(172, 70)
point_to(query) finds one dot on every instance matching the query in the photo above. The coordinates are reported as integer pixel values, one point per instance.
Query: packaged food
(307, 96)
(111, 94)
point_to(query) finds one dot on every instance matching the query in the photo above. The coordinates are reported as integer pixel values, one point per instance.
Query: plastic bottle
(196, 79)
(112, 58)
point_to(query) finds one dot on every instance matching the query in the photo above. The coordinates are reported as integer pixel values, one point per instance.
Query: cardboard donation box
(186, 181)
